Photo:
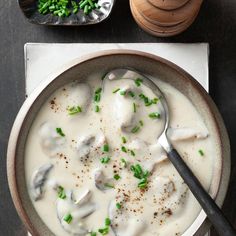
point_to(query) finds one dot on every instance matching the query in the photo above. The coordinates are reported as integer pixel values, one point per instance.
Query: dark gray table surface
(215, 24)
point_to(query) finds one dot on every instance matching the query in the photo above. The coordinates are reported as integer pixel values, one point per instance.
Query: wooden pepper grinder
(165, 17)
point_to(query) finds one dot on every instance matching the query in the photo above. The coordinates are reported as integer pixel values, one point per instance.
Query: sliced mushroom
(51, 142)
(101, 181)
(89, 144)
(38, 181)
(78, 211)
(178, 134)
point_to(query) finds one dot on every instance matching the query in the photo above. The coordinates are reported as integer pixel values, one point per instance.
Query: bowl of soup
(83, 157)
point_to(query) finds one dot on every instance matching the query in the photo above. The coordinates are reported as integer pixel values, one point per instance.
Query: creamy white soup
(93, 165)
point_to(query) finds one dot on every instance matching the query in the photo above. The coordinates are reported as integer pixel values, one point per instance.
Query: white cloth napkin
(43, 58)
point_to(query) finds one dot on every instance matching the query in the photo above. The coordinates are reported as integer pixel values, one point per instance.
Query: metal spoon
(215, 215)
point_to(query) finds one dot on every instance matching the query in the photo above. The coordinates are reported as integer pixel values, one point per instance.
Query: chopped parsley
(60, 132)
(61, 192)
(141, 123)
(74, 110)
(105, 160)
(68, 218)
(154, 115)
(93, 234)
(200, 151)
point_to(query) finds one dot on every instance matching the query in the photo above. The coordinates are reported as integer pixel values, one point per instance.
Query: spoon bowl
(215, 215)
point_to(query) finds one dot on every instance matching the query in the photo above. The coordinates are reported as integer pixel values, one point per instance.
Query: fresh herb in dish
(64, 8)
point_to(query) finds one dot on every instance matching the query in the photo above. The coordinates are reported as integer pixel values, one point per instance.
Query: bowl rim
(201, 222)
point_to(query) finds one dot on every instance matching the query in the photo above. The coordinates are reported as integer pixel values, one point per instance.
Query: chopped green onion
(98, 90)
(140, 174)
(105, 148)
(141, 123)
(201, 152)
(132, 152)
(86, 9)
(68, 218)
(155, 100)
(104, 231)
(108, 185)
(154, 115)
(105, 160)
(97, 108)
(122, 92)
(93, 234)
(134, 107)
(74, 110)
(60, 132)
(143, 183)
(97, 97)
(116, 177)
(124, 162)
(131, 94)
(61, 192)
(116, 90)
(135, 129)
(123, 149)
(123, 139)
(107, 222)
(118, 205)
(138, 82)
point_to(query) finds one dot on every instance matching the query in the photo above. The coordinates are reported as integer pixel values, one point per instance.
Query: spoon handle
(221, 224)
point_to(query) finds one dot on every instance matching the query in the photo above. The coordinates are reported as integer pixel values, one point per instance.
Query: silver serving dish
(30, 10)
